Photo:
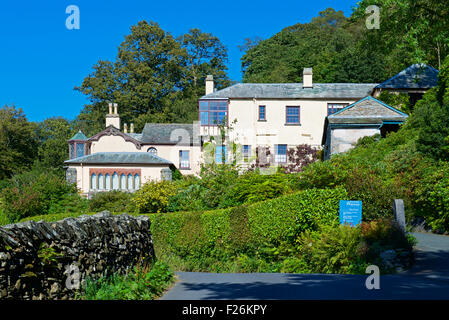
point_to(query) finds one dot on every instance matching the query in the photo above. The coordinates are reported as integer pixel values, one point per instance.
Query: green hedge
(202, 239)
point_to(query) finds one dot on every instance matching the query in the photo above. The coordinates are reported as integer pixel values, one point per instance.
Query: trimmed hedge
(204, 238)
(216, 240)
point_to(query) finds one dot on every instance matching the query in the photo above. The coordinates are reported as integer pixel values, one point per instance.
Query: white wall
(83, 174)
(249, 131)
(167, 152)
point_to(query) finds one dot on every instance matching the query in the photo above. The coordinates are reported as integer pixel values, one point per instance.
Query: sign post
(350, 212)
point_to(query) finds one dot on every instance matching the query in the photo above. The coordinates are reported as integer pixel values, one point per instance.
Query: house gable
(369, 109)
(112, 131)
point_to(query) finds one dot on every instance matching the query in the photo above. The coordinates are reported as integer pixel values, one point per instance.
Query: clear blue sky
(42, 61)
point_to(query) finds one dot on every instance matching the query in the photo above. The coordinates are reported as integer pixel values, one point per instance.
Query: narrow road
(428, 279)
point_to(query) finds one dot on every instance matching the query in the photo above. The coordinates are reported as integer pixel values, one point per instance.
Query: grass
(145, 282)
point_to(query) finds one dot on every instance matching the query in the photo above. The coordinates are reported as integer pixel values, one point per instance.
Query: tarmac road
(428, 279)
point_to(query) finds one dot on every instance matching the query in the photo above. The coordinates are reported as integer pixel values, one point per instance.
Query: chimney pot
(132, 128)
(125, 128)
(110, 108)
(115, 108)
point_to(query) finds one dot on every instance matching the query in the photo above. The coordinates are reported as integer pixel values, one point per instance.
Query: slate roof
(417, 76)
(168, 133)
(367, 110)
(294, 91)
(119, 158)
(79, 136)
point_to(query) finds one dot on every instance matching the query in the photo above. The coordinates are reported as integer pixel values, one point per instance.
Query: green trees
(18, 142)
(430, 119)
(342, 49)
(330, 44)
(53, 134)
(155, 77)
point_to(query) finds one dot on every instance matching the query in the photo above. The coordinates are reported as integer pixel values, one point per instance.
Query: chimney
(125, 128)
(131, 130)
(307, 81)
(209, 84)
(112, 118)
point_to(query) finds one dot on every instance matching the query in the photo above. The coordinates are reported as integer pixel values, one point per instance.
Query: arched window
(136, 182)
(93, 182)
(107, 181)
(123, 182)
(130, 182)
(100, 182)
(152, 150)
(115, 181)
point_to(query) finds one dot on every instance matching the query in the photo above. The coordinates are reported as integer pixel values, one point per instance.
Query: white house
(271, 116)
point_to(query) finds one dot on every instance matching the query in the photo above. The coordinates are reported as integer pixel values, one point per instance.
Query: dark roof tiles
(119, 158)
(294, 91)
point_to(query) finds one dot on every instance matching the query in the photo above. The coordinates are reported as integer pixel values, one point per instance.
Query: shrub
(343, 249)
(141, 284)
(34, 193)
(253, 187)
(153, 196)
(376, 195)
(114, 201)
(432, 196)
(201, 239)
(332, 249)
(69, 204)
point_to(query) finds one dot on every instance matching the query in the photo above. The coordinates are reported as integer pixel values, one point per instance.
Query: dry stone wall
(40, 260)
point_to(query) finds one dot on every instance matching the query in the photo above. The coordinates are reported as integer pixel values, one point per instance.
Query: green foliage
(18, 142)
(34, 193)
(344, 249)
(254, 187)
(53, 134)
(330, 43)
(114, 201)
(208, 239)
(429, 120)
(154, 78)
(332, 249)
(153, 196)
(376, 195)
(56, 216)
(48, 255)
(433, 197)
(143, 283)
(400, 101)
(221, 186)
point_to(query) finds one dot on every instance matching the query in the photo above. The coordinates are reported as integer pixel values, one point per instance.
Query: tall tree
(148, 71)
(328, 44)
(155, 78)
(18, 142)
(53, 134)
(410, 31)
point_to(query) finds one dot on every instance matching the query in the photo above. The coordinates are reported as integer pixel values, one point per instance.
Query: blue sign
(350, 212)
